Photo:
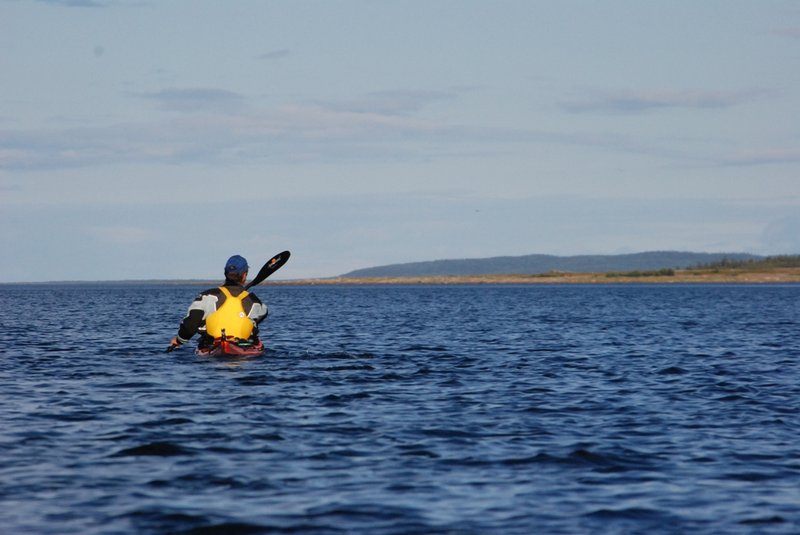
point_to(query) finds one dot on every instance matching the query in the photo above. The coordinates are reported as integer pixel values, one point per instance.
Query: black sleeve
(189, 325)
(203, 305)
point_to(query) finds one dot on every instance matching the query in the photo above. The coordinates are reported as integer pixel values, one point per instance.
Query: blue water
(419, 409)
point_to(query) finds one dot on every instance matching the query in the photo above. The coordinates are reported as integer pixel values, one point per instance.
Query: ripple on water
(154, 449)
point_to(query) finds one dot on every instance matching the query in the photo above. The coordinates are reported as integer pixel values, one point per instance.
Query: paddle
(272, 265)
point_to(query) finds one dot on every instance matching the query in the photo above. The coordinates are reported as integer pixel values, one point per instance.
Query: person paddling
(229, 313)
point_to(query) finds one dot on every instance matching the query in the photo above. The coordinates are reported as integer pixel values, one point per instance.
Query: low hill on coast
(752, 270)
(540, 264)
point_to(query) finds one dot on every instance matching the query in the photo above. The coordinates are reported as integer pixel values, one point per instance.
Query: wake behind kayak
(228, 348)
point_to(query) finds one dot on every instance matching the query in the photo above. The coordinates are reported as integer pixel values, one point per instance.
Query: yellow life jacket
(230, 318)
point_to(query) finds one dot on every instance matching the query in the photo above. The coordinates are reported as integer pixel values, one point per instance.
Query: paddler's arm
(258, 311)
(183, 335)
(198, 310)
(189, 326)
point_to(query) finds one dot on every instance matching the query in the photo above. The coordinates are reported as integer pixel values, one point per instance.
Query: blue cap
(235, 265)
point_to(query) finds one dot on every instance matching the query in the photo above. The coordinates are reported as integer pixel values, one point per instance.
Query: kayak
(226, 348)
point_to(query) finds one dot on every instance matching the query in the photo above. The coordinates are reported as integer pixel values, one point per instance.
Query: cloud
(274, 54)
(75, 3)
(393, 102)
(793, 33)
(288, 134)
(91, 3)
(196, 99)
(123, 235)
(646, 100)
(219, 126)
(15, 158)
(10, 187)
(764, 157)
(225, 132)
(216, 125)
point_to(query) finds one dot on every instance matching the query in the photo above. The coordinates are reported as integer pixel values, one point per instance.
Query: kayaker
(228, 311)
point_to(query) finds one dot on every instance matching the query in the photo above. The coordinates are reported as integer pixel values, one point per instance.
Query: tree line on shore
(754, 264)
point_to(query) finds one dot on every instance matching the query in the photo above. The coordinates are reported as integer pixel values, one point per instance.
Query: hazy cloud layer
(393, 102)
(764, 157)
(793, 33)
(75, 3)
(197, 100)
(216, 126)
(213, 125)
(93, 3)
(646, 100)
(274, 54)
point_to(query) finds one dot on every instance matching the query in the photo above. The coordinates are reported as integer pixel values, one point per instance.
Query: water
(419, 409)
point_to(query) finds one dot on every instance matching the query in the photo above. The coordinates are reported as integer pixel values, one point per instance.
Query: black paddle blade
(273, 265)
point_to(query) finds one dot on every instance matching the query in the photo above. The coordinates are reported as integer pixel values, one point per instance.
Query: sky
(144, 139)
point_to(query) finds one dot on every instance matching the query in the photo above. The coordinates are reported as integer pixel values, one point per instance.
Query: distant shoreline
(688, 276)
(696, 276)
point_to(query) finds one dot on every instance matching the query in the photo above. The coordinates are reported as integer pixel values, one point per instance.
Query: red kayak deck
(231, 349)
